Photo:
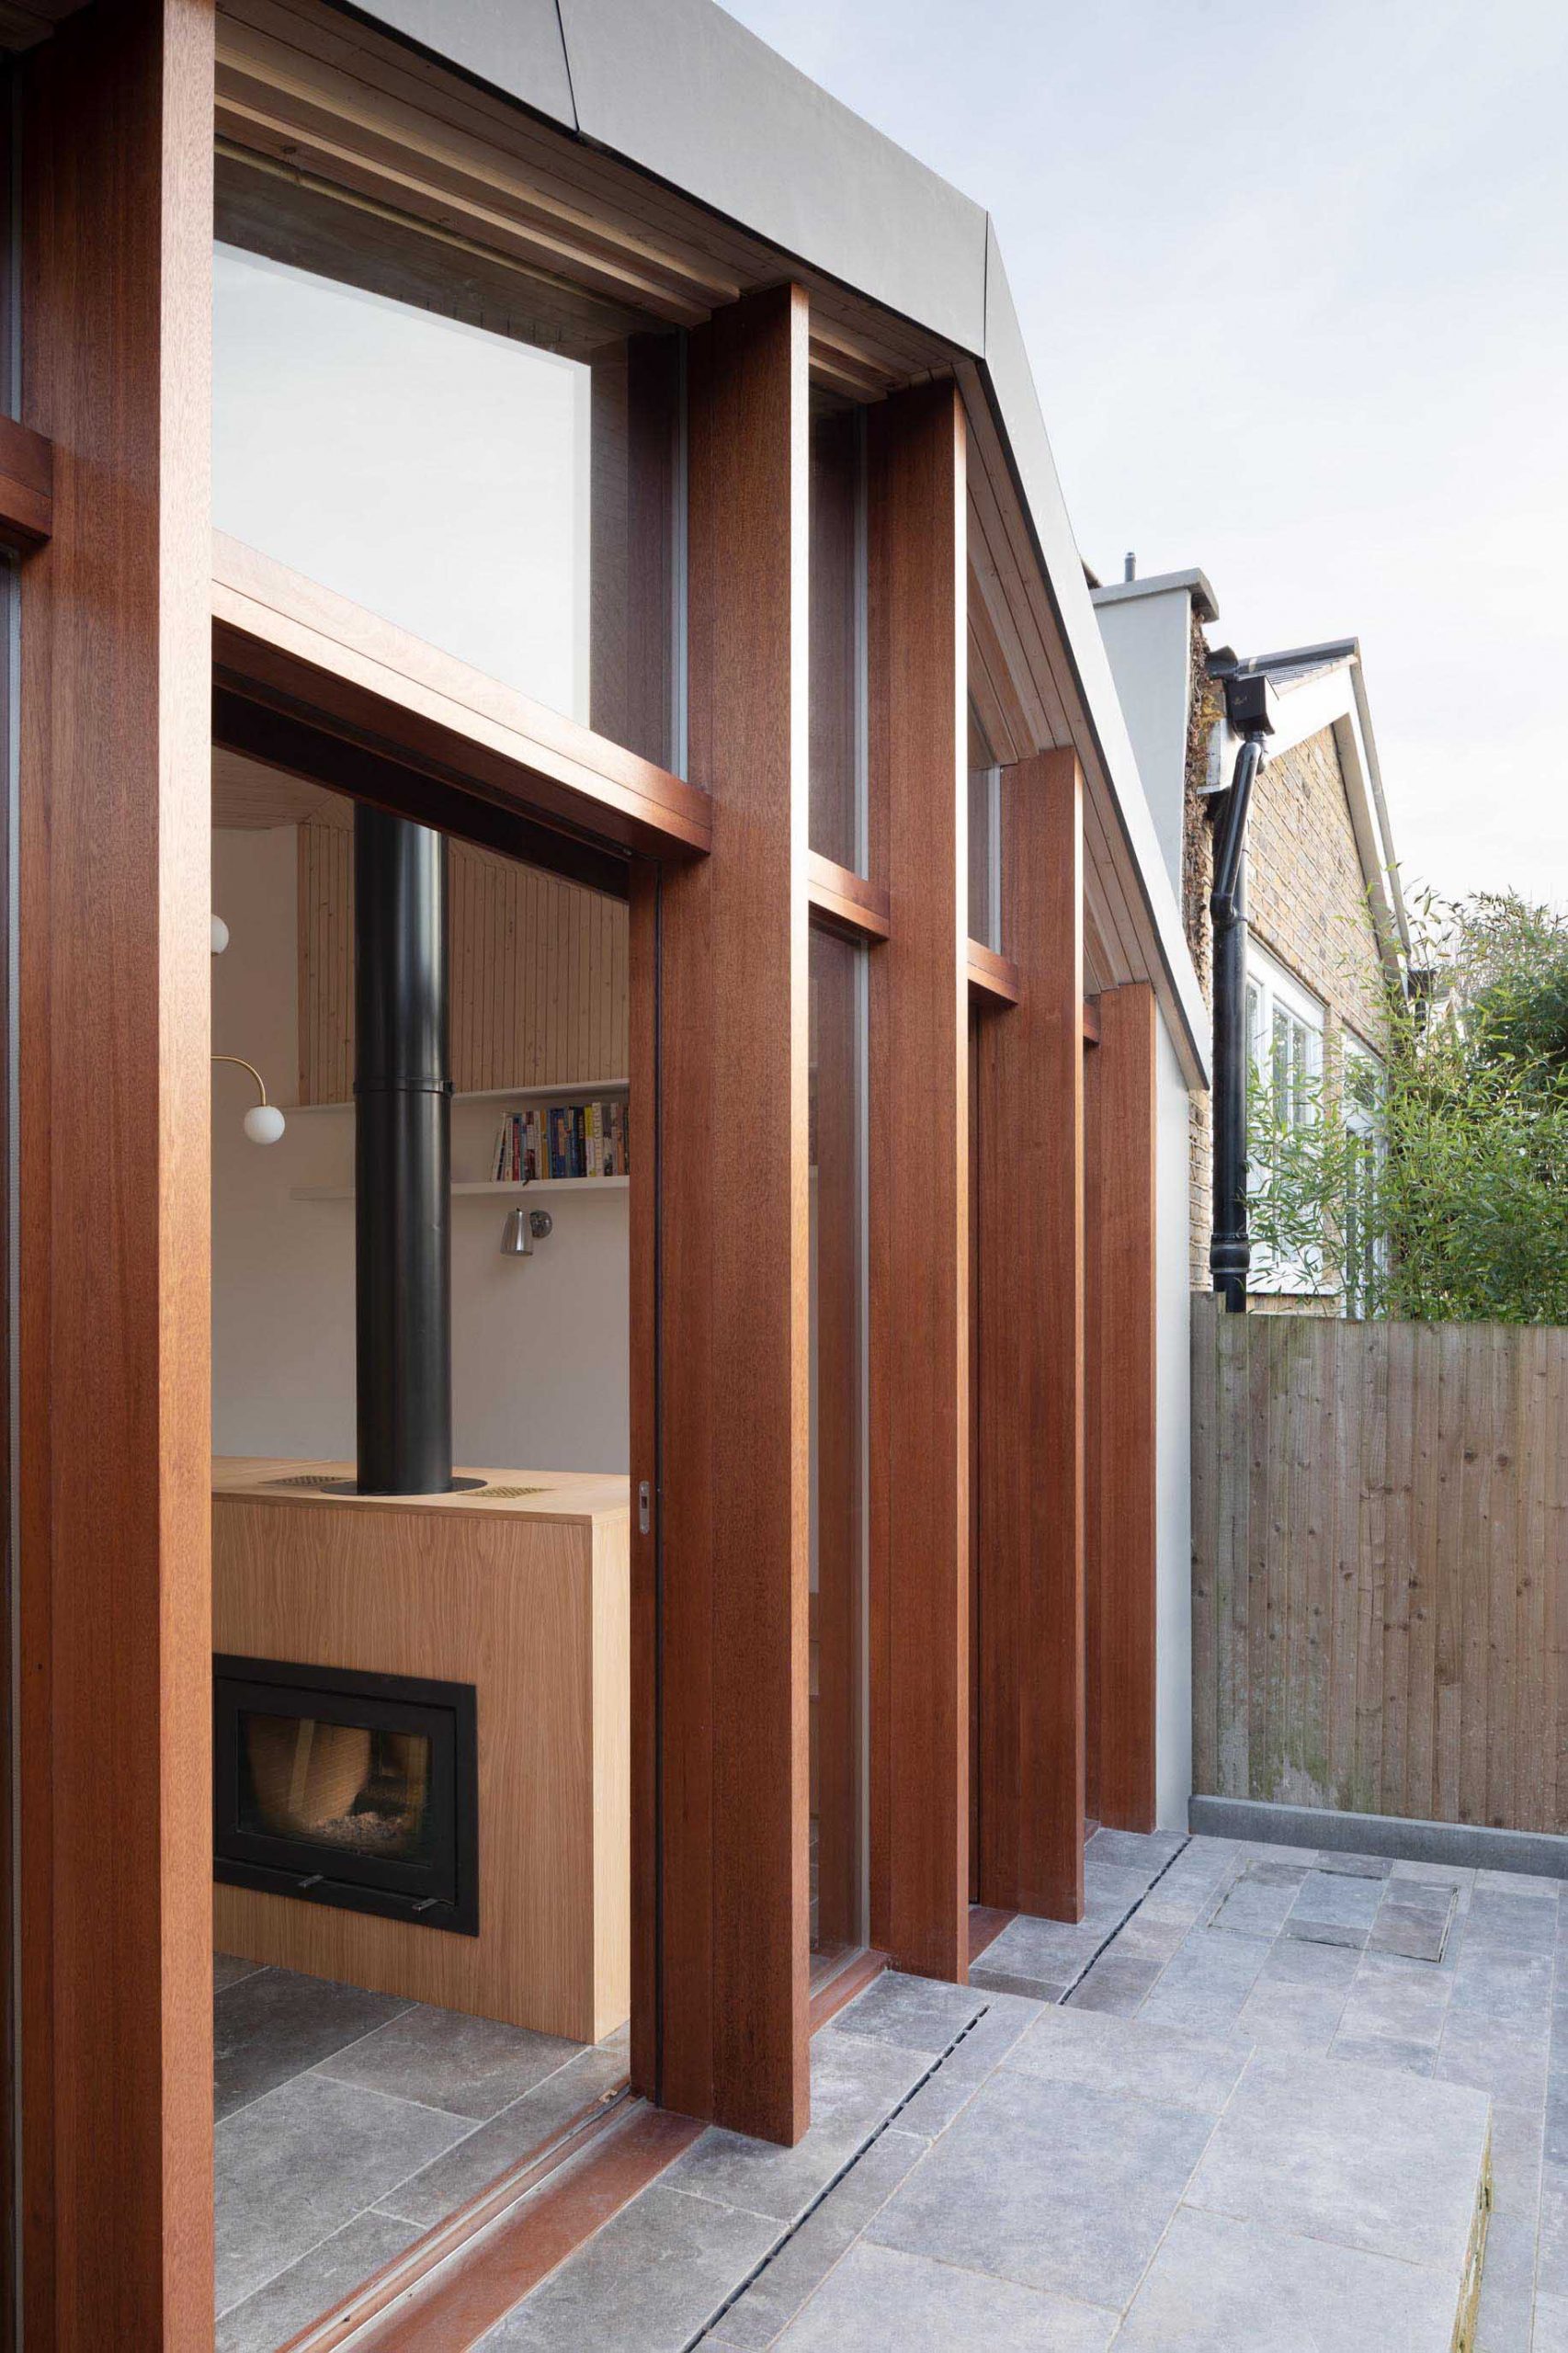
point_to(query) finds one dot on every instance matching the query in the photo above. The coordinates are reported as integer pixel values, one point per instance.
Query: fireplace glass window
(347, 1788)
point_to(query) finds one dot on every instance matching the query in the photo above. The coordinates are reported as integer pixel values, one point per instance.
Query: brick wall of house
(1307, 903)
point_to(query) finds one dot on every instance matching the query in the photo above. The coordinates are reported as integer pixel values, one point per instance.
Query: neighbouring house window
(1285, 1031)
(984, 837)
(837, 663)
(470, 486)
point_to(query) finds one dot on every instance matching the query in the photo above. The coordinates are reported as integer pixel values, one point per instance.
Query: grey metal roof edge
(681, 90)
(1014, 401)
(1162, 583)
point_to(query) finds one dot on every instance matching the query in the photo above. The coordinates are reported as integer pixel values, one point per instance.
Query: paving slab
(878, 2300)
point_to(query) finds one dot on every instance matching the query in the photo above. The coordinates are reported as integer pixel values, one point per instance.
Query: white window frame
(1272, 990)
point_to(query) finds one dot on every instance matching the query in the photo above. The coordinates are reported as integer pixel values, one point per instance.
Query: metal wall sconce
(521, 1228)
(264, 1121)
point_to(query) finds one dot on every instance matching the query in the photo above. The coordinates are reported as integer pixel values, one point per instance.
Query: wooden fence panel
(1379, 1565)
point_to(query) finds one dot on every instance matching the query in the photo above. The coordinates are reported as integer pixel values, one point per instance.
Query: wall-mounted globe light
(264, 1121)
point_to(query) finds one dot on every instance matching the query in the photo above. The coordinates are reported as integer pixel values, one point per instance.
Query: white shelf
(540, 1190)
(576, 1090)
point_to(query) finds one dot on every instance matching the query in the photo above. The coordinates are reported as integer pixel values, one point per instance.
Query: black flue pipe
(403, 1089)
(1230, 1243)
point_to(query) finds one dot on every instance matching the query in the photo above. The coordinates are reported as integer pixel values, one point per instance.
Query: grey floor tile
(645, 2283)
(1353, 1866)
(1368, 2159)
(1405, 2002)
(473, 2066)
(1515, 2159)
(1520, 1884)
(1117, 1980)
(1510, 1987)
(1050, 2185)
(295, 2166)
(1127, 2060)
(1110, 1891)
(429, 2196)
(1528, 1923)
(228, 1968)
(1503, 2321)
(1278, 2015)
(1052, 1951)
(802, 2263)
(1455, 1875)
(1551, 2257)
(1550, 2327)
(1205, 1982)
(274, 2023)
(917, 2013)
(1310, 1964)
(317, 2281)
(1337, 1899)
(1508, 2063)
(1219, 2286)
(1025, 1987)
(1149, 1852)
(878, 2301)
(1382, 2051)
(1417, 1931)
(855, 2086)
(1256, 1907)
(1151, 1933)
(1510, 2252)
(1326, 1932)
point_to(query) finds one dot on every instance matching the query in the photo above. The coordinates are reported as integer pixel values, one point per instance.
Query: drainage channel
(938, 2063)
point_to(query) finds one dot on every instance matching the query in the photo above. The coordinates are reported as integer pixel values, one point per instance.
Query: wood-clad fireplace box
(520, 1590)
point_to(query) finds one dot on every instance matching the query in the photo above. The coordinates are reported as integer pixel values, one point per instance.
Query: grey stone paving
(1241, 2108)
(348, 2123)
(1231, 2112)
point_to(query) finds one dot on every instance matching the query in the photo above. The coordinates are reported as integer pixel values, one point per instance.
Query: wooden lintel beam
(845, 901)
(993, 979)
(27, 485)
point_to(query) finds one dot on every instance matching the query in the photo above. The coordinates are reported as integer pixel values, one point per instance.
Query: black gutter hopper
(1250, 705)
(402, 1157)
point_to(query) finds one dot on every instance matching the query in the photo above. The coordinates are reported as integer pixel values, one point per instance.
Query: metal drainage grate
(510, 1495)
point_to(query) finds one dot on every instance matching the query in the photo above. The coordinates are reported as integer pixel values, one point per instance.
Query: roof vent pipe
(1130, 566)
(1250, 705)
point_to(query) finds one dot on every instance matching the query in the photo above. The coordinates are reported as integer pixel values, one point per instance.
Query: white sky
(1294, 279)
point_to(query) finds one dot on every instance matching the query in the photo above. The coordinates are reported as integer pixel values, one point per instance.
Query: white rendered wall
(1148, 644)
(1173, 1446)
(539, 1344)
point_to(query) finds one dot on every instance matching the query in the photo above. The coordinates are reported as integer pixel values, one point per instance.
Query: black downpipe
(1230, 1246)
(402, 1157)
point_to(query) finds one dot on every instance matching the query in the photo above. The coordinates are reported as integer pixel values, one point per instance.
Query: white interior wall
(539, 1344)
(1173, 1713)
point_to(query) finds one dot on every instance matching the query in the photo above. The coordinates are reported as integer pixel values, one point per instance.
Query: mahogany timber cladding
(918, 1187)
(115, 886)
(539, 972)
(734, 1242)
(1381, 1566)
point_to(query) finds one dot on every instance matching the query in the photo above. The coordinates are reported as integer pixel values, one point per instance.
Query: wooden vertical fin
(115, 1453)
(1032, 1307)
(733, 1257)
(919, 1187)
(1119, 1569)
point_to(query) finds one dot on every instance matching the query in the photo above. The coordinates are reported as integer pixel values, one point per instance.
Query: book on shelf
(570, 1137)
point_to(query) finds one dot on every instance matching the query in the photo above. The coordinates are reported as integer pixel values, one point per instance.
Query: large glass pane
(504, 502)
(984, 837)
(335, 1784)
(837, 1422)
(837, 635)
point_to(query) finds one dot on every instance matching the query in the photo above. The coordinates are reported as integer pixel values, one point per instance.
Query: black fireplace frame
(440, 1893)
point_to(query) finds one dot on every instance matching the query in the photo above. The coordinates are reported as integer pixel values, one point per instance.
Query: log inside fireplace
(348, 1788)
